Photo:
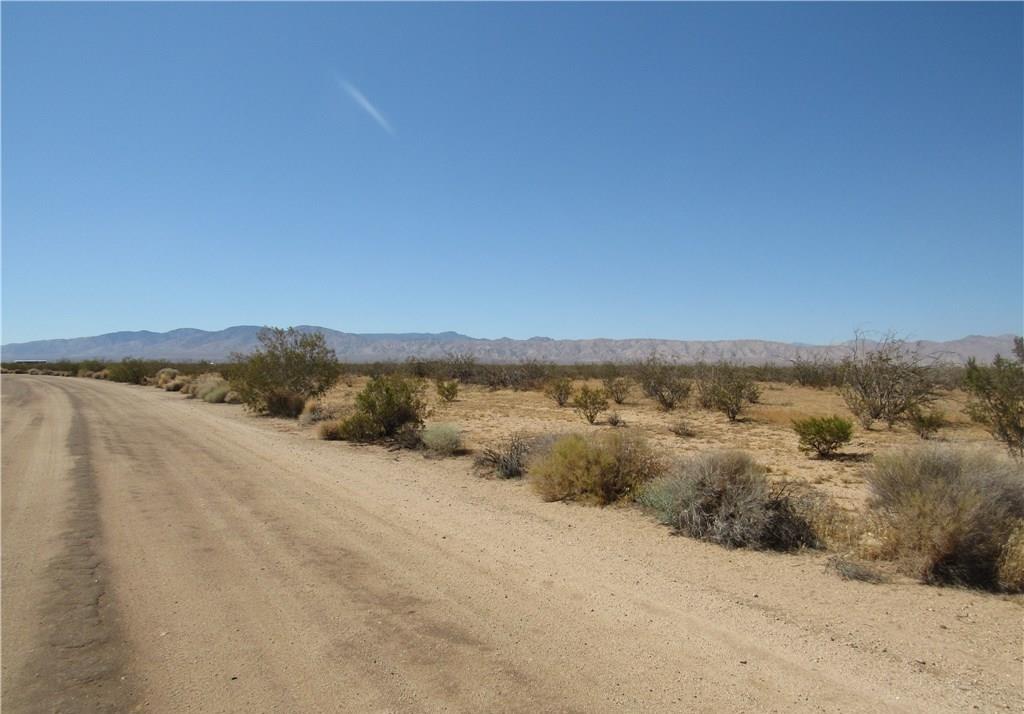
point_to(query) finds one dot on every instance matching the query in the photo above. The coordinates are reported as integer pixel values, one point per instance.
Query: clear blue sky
(695, 171)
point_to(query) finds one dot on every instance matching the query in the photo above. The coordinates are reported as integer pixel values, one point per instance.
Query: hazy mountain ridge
(188, 344)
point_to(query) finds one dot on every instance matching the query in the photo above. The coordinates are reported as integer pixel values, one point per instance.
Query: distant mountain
(196, 345)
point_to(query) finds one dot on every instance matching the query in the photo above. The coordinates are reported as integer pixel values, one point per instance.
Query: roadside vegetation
(935, 510)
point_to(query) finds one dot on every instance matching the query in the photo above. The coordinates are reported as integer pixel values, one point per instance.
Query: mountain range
(189, 344)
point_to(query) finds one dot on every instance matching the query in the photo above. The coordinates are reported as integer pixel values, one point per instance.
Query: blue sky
(694, 171)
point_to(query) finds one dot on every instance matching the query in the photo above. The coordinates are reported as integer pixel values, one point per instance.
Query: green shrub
(505, 461)
(823, 435)
(725, 497)
(601, 469)
(132, 371)
(997, 397)
(945, 515)
(289, 365)
(447, 390)
(727, 388)
(560, 390)
(386, 405)
(589, 403)
(663, 382)
(442, 439)
(617, 388)
(925, 424)
(885, 381)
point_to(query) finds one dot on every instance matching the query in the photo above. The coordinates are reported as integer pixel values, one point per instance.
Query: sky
(791, 172)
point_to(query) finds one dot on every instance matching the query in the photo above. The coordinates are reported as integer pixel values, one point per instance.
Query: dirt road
(166, 555)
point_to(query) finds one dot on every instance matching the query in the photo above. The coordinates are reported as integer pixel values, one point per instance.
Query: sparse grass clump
(442, 439)
(589, 403)
(946, 516)
(387, 405)
(560, 390)
(507, 460)
(726, 498)
(599, 469)
(682, 429)
(823, 435)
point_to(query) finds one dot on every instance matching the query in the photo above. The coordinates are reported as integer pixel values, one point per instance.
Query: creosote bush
(507, 460)
(442, 439)
(925, 423)
(617, 388)
(387, 405)
(447, 390)
(726, 388)
(945, 515)
(663, 382)
(997, 397)
(560, 390)
(726, 498)
(885, 381)
(600, 468)
(288, 368)
(823, 435)
(589, 403)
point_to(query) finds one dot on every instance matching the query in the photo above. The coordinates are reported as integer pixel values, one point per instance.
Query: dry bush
(560, 390)
(177, 384)
(682, 429)
(615, 420)
(281, 404)
(600, 469)
(945, 515)
(823, 435)
(217, 394)
(617, 388)
(447, 390)
(442, 439)
(331, 431)
(997, 397)
(662, 381)
(164, 377)
(885, 381)
(725, 497)
(727, 388)
(316, 411)
(1011, 561)
(925, 424)
(507, 460)
(232, 397)
(589, 403)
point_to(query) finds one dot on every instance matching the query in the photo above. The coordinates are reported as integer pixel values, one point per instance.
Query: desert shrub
(527, 374)
(600, 469)
(131, 370)
(560, 390)
(663, 382)
(315, 411)
(617, 388)
(823, 435)
(1011, 561)
(176, 384)
(165, 376)
(232, 397)
(885, 381)
(946, 515)
(589, 403)
(203, 384)
(925, 423)
(726, 498)
(357, 427)
(217, 394)
(447, 390)
(386, 405)
(727, 388)
(817, 372)
(288, 368)
(458, 367)
(615, 420)
(849, 568)
(332, 431)
(442, 439)
(997, 397)
(508, 460)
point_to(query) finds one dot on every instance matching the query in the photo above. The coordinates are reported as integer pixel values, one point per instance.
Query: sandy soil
(169, 555)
